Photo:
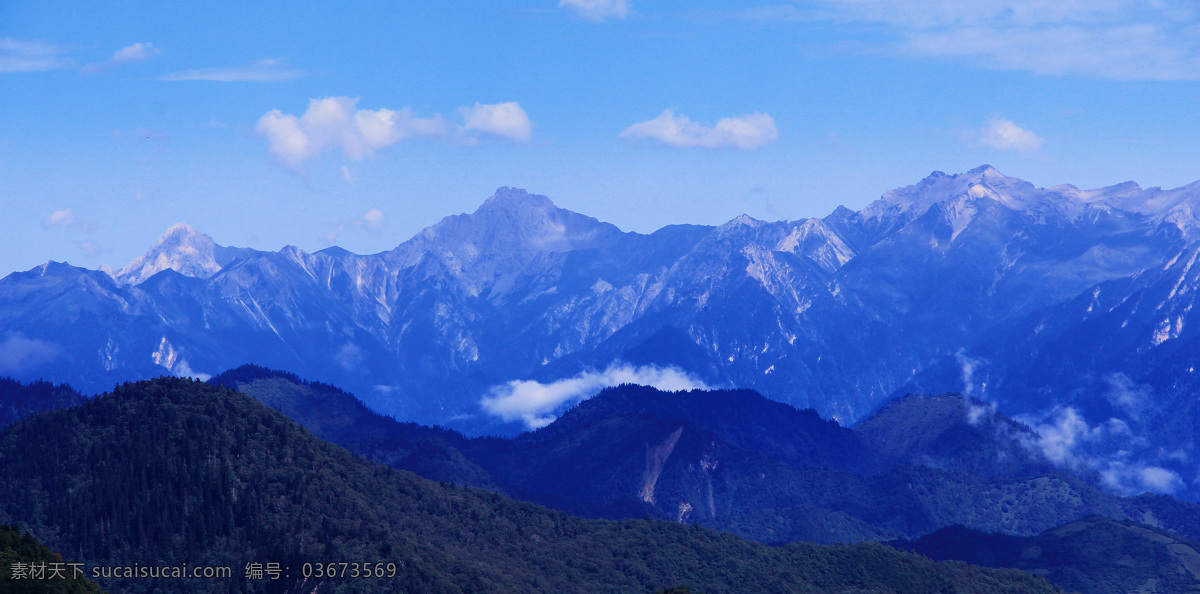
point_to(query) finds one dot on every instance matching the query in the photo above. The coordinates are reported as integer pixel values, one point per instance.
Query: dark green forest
(172, 471)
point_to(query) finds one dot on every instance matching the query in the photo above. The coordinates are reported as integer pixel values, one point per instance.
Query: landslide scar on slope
(656, 458)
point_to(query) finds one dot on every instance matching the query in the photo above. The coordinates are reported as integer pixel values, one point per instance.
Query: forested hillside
(172, 471)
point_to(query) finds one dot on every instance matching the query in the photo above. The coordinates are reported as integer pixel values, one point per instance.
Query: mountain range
(1068, 309)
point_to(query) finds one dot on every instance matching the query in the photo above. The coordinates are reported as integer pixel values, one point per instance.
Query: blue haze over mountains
(1068, 308)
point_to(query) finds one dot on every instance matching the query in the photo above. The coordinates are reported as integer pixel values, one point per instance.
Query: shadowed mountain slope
(737, 461)
(1092, 555)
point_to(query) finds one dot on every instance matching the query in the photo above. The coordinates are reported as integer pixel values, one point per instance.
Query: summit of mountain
(182, 249)
(955, 432)
(504, 234)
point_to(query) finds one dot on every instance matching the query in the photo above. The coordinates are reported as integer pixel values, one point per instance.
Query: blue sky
(357, 124)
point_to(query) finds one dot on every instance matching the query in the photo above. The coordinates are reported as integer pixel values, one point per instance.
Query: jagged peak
(938, 187)
(742, 220)
(181, 248)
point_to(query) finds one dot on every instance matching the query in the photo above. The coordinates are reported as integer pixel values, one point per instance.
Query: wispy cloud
(68, 219)
(1003, 135)
(372, 221)
(349, 357)
(20, 55)
(137, 52)
(535, 403)
(1118, 39)
(1066, 439)
(19, 354)
(91, 248)
(266, 70)
(1128, 396)
(678, 131)
(336, 123)
(597, 10)
(183, 369)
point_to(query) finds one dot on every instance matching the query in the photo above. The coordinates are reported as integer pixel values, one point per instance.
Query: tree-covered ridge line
(177, 471)
(23, 399)
(1095, 554)
(781, 474)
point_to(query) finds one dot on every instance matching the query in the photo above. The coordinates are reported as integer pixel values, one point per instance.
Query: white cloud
(20, 354)
(18, 55)
(1067, 440)
(1060, 439)
(1135, 479)
(535, 403)
(59, 218)
(373, 220)
(265, 71)
(597, 10)
(137, 52)
(1004, 135)
(1119, 39)
(336, 123)
(501, 120)
(182, 369)
(67, 219)
(745, 133)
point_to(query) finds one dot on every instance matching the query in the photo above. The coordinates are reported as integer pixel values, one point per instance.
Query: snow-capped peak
(182, 249)
(983, 181)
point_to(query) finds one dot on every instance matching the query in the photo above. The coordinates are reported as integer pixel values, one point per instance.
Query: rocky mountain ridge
(521, 297)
